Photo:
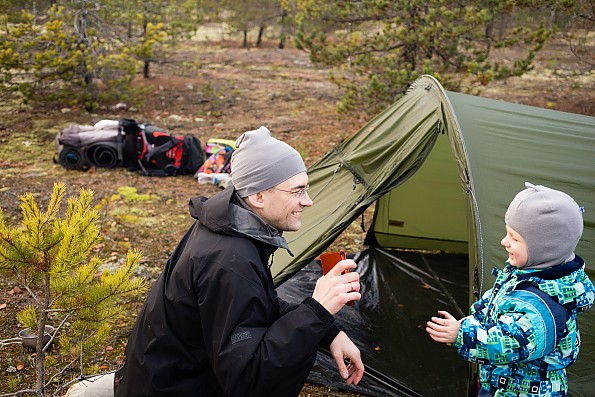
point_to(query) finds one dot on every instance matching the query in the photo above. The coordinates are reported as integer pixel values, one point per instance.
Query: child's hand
(444, 329)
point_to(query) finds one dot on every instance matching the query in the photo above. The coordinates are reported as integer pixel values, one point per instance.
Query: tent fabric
(435, 155)
(387, 323)
(360, 170)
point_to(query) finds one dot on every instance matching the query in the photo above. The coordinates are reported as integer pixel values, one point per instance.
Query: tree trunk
(83, 41)
(39, 347)
(488, 33)
(245, 42)
(146, 69)
(282, 35)
(259, 38)
(146, 62)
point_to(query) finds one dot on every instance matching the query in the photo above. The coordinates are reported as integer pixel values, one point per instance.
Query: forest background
(312, 71)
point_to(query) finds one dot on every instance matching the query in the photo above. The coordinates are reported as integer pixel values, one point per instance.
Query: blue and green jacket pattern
(523, 332)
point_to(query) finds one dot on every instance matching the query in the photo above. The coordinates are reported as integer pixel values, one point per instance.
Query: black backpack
(154, 152)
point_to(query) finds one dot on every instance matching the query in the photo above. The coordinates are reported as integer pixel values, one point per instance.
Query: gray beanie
(550, 222)
(261, 162)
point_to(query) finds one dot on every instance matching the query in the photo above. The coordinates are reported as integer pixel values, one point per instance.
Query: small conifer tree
(49, 254)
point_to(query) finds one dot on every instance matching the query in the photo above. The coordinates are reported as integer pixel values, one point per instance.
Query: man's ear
(255, 200)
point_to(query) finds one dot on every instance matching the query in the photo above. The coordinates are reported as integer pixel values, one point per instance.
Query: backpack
(154, 152)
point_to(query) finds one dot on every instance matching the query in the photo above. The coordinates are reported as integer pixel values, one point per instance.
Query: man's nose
(306, 200)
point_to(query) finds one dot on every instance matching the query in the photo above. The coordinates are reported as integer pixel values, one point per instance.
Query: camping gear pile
(82, 146)
(126, 143)
(217, 167)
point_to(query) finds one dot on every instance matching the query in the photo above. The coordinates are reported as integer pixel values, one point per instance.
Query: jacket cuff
(326, 317)
(320, 311)
(329, 337)
(458, 343)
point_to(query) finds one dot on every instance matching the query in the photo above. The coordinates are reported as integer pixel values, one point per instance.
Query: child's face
(518, 251)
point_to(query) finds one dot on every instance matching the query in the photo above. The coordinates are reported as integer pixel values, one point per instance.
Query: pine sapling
(50, 255)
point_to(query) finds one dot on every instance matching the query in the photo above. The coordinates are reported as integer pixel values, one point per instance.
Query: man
(213, 324)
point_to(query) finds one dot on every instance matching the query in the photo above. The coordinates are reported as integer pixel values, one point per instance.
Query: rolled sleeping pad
(72, 158)
(103, 155)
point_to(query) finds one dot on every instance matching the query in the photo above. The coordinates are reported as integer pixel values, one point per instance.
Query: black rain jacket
(213, 325)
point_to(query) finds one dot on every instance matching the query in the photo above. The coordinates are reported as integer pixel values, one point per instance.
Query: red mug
(329, 260)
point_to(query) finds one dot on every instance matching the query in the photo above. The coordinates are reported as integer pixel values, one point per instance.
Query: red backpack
(155, 152)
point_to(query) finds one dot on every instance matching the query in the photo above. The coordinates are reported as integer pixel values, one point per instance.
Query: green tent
(442, 168)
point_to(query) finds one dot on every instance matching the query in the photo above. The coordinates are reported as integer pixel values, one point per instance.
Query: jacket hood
(226, 213)
(567, 282)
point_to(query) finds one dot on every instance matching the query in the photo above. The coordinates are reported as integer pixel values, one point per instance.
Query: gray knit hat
(550, 222)
(261, 162)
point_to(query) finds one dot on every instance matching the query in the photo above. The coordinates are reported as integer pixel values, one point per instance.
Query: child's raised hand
(443, 329)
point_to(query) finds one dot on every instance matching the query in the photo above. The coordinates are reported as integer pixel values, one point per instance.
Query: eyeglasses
(301, 193)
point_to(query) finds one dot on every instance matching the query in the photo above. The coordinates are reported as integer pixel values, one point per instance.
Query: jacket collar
(227, 213)
(554, 272)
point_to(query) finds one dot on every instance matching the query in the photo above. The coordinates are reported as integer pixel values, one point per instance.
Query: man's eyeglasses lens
(297, 193)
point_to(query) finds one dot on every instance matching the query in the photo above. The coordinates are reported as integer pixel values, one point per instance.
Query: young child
(523, 332)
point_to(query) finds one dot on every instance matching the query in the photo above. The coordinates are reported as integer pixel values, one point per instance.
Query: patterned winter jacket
(523, 332)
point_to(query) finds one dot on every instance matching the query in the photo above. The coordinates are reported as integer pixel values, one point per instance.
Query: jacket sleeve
(332, 331)
(585, 293)
(521, 329)
(257, 344)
